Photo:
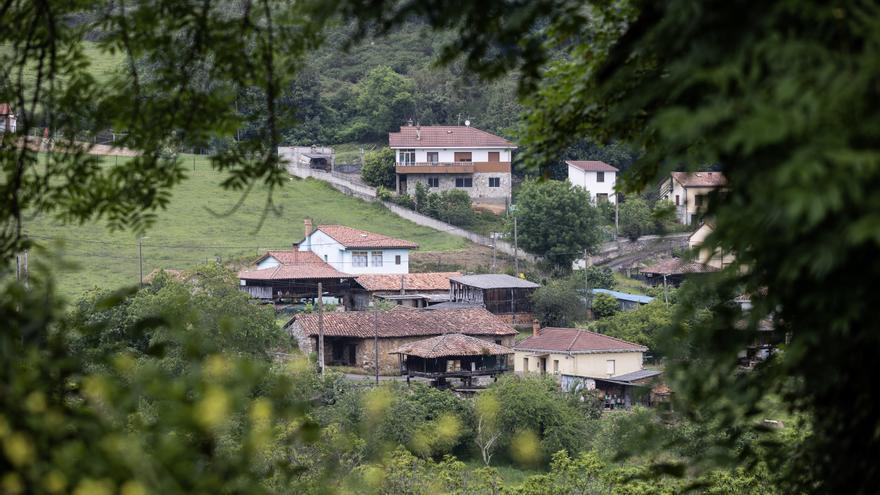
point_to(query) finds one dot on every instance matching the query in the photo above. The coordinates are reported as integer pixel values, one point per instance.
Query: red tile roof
(412, 281)
(445, 136)
(356, 238)
(677, 266)
(591, 166)
(5, 109)
(576, 341)
(452, 344)
(294, 265)
(700, 179)
(416, 322)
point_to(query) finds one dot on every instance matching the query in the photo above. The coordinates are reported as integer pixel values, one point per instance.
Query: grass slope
(187, 234)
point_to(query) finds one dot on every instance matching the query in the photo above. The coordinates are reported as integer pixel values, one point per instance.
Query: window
(600, 176)
(556, 366)
(610, 366)
(677, 202)
(433, 157)
(325, 258)
(498, 341)
(397, 259)
(359, 258)
(494, 181)
(433, 181)
(494, 157)
(407, 157)
(462, 156)
(464, 182)
(602, 198)
(377, 258)
(698, 200)
(525, 364)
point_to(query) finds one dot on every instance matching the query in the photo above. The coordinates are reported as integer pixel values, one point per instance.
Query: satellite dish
(467, 123)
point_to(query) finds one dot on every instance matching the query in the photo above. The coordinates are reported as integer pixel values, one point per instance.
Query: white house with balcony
(598, 178)
(453, 157)
(355, 251)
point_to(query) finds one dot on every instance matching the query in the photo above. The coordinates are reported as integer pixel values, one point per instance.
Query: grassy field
(187, 234)
(102, 64)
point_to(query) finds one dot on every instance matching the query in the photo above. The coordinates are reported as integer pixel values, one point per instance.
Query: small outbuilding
(452, 355)
(672, 271)
(499, 294)
(625, 300)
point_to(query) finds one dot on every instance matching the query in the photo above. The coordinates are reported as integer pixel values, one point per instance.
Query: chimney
(536, 327)
(307, 224)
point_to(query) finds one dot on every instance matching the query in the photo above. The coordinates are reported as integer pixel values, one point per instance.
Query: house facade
(598, 178)
(689, 193)
(453, 157)
(713, 258)
(576, 352)
(356, 251)
(356, 338)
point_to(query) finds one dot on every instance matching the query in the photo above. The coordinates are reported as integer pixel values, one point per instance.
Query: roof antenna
(418, 132)
(458, 122)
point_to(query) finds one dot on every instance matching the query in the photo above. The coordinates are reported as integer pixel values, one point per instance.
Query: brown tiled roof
(470, 321)
(700, 179)
(356, 238)
(299, 265)
(452, 344)
(412, 281)
(576, 341)
(591, 166)
(5, 109)
(445, 136)
(677, 266)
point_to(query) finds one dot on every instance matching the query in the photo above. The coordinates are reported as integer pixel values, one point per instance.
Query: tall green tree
(635, 218)
(378, 168)
(556, 220)
(383, 101)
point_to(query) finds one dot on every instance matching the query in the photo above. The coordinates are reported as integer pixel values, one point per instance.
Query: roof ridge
(573, 341)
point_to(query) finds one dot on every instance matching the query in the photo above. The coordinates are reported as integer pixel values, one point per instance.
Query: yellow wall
(591, 365)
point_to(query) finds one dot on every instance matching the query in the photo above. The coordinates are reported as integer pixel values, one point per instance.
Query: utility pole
(515, 248)
(588, 294)
(494, 236)
(665, 294)
(616, 215)
(376, 341)
(141, 258)
(321, 327)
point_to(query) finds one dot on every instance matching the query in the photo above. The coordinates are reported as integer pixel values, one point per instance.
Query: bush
(635, 218)
(378, 169)
(604, 305)
(558, 303)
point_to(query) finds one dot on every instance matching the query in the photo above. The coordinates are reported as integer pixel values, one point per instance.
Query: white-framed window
(397, 259)
(609, 367)
(464, 182)
(433, 181)
(433, 157)
(600, 176)
(407, 157)
(359, 258)
(377, 258)
(494, 181)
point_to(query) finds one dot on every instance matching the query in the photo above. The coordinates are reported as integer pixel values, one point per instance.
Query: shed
(500, 294)
(452, 355)
(625, 300)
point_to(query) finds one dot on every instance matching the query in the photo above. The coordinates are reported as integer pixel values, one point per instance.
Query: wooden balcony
(452, 167)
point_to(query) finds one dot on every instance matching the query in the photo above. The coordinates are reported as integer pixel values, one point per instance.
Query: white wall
(326, 248)
(447, 155)
(587, 180)
(586, 365)
(340, 258)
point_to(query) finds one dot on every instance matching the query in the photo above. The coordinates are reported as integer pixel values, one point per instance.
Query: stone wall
(480, 191)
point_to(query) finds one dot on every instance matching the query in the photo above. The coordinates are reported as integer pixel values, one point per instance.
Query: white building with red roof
(453, 157)
(598, 178)
(8, 120)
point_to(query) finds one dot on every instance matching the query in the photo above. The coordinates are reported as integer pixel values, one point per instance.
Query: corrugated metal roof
(494, 281)
(636, 375)
(623, 296)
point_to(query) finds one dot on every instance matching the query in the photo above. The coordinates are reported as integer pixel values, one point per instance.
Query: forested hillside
(361, 93)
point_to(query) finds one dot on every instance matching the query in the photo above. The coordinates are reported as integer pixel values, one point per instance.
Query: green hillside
(187, 234)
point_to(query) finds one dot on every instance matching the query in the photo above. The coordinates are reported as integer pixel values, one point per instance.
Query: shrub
(558, 303)
(635, 218)
(378, 169)
(604, 305)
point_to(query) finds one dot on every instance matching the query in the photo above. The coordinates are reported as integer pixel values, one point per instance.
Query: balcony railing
(451, 167)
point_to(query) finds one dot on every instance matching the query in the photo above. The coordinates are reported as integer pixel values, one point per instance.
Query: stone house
(453, 157)
(598, 178)
(689, 193)
(355, 338)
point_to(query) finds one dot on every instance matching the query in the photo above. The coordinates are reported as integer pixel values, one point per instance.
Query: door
(494, 156)
(352, 355)
(543, 365)
(402, 184)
